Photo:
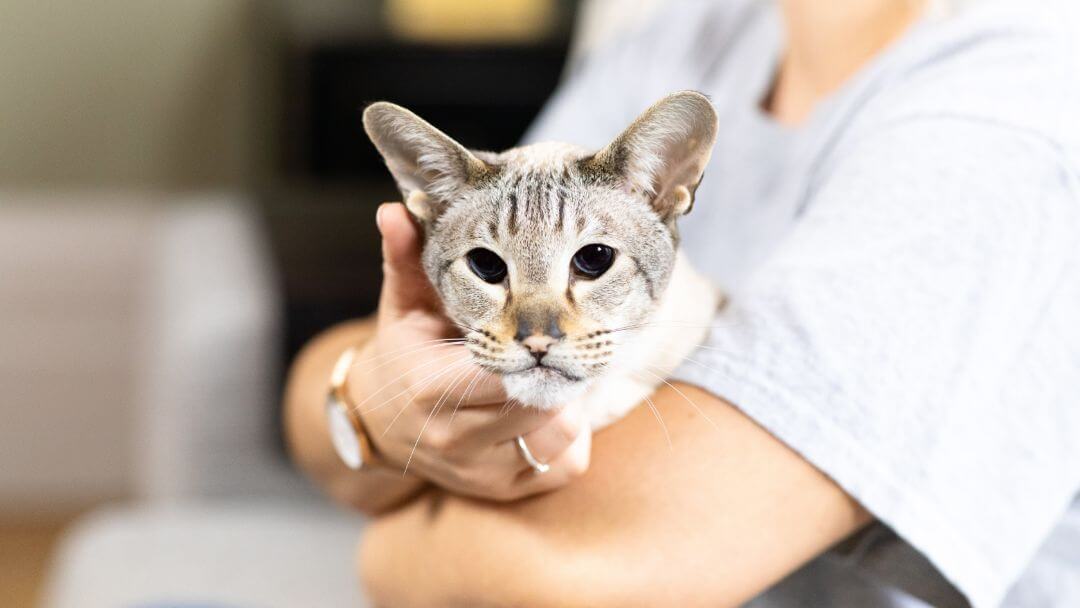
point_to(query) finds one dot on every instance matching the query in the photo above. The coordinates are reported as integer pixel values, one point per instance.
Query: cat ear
(430, 168)
(663, 154)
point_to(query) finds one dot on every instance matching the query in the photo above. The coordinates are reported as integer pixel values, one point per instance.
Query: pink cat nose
(538, 343)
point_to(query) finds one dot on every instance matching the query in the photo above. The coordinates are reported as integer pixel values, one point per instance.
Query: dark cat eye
(487, 265)
(591, 261)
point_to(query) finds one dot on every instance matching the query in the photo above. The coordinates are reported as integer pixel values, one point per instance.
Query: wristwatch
(347, 432)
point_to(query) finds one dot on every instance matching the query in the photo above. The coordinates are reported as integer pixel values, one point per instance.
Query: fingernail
(378, 216)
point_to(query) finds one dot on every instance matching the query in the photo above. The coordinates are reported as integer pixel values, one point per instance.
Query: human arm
(712, 520)
(308, 435)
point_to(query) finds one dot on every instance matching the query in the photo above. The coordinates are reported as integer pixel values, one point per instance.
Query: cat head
(549, 256)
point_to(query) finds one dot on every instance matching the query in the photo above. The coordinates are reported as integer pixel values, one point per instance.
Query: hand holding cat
(431, 410)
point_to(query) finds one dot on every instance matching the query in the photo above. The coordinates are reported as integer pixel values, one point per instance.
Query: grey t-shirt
(905, 272)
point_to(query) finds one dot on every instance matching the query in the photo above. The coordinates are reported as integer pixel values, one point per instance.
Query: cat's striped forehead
(539, 186)
(537, 204)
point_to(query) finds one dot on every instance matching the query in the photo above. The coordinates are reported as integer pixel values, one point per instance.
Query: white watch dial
(343, 435)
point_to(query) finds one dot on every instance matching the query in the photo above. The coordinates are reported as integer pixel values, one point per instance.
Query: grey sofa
(220, 519)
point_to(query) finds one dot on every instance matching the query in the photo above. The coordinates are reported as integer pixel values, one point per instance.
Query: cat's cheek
(475, 303)
(638, 302)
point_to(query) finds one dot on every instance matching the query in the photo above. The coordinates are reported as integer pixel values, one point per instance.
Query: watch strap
(347, 430)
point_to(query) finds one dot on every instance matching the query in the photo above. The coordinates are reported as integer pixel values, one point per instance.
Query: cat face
(547, 256)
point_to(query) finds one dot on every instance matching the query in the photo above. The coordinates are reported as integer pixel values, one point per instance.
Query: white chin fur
(542, 389)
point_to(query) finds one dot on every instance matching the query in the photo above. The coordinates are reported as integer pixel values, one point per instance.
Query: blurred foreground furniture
(161, 320)
(245, 554)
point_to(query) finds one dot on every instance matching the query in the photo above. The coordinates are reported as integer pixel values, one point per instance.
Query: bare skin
(827, 43)
(717, 518)
(713, 520)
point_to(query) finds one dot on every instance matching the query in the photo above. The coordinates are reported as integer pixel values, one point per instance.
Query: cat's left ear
(430, 168)
(663, 153)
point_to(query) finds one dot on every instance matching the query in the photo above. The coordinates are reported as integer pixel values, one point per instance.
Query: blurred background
(186, 197)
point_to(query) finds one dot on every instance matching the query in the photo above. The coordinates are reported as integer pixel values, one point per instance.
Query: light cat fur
(535, 206)
(679, 324)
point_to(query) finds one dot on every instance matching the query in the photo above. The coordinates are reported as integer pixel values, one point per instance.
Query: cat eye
(591, 261)
(486, 264)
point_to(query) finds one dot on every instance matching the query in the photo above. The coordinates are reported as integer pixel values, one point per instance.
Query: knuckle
(577, 467)
(426, 394)
(565, 428)
(454, 445)
(437, 440)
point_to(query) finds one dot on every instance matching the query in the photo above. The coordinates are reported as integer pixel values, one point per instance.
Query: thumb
(405, 286)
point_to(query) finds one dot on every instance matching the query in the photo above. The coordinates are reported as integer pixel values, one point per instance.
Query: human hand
(432, 411)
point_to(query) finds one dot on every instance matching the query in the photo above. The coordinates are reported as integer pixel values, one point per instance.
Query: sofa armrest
(208, 391)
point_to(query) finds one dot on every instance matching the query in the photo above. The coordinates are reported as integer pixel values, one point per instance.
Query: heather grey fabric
(906, 278)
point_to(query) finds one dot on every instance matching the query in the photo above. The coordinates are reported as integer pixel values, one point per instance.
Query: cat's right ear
(663, 154)
(430, 168)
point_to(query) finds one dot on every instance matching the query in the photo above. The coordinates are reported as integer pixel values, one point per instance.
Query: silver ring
(538, 467)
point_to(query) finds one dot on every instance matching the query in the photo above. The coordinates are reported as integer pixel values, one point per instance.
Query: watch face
(343, 435)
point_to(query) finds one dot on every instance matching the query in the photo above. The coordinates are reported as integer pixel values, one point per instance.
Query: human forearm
(716, 518)
(308, 437)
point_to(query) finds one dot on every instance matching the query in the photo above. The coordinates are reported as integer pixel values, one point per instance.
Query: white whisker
(412, 369)
(401, 411)
(414, 349)
(466, 327)
(683, 395)
(506, 407)
(407, 388)
(434, 411)
(469, 389)
(410, 346)
(660, 419)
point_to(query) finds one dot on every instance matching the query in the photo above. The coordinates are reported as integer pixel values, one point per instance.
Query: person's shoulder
(1007, 63)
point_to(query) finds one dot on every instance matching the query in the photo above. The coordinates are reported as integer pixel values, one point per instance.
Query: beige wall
(100, 102)
(133, 92)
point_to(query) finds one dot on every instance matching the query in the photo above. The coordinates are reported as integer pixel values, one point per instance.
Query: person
(894, 209)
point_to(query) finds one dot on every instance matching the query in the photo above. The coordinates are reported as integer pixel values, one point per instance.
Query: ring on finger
(538, 467)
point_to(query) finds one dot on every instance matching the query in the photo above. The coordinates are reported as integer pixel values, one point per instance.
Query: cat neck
(682, 320)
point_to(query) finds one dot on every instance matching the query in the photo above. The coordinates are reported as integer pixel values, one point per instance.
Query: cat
(560, 265)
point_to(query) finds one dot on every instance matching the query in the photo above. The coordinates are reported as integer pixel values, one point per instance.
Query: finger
(549, 441)
(565, 468)
(405, 286)
(486, 426)
(459, 389)
(504, 474)
(487, 389)
(546, 443)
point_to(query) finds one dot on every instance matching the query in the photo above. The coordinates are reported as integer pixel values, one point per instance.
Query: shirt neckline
(761, 74)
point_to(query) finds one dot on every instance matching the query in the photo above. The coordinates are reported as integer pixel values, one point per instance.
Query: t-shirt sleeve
(917, 338)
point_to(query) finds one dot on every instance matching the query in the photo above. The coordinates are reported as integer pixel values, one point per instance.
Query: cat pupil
(486, 264)
(593, 260)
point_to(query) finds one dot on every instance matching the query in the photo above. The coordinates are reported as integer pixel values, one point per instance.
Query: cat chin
(542, 389)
